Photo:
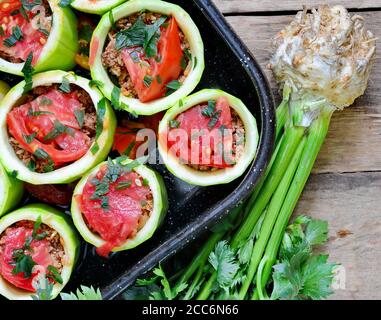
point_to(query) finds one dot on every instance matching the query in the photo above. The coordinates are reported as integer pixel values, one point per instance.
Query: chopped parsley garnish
(145, 182)
(172, 87)
(65, 3)
(28, 71)
(49, 167)
(80, 117)
(2, 33)
(65, 85)
(28, 5)
(214, 119)
(158, 79)
(187, 54)
(31, 165)
(41, 154)
(45, 101)
(174, 123)
(101, 111)
(54, 274)
(183, 63)
(95, 148)
(23, 263)
(147, 81)
(129, 148)
(59, 129)
(135, 56)
(14, 37)
(115, 98)
(28, 138)
(209, 110)
(141, 35)
(123, 185)
(44, 31)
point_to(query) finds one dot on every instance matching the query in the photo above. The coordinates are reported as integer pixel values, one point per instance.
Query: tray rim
(221, 209)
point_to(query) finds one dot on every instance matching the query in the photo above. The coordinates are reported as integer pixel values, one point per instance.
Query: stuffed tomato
(95, 6)
(149, 54)
(119, 205)
(37, 32)
(11, 191)
(36, 242)
(208, 138)
(55, 132)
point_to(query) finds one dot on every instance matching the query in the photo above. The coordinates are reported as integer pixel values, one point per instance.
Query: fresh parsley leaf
(31, 165)
(54, 274)
(45, 101)
(244, 253)
(41, 154)
(36, 226)
(58, 129)
(123, 185)
(28, 5)
(213, 121)
(129, 148)
(174, 85)
(23, 264)
(85, 293)
(158, 79)
(223, 261)
(101, 111)
(14, 174)
(164, 282)
(95, 148)
(316, 232)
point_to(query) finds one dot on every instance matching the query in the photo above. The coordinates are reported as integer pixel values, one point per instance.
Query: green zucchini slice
(11, 191)
(61, 46)
(220, 176)
(98, 151)
(95, 6)
(69, 240)
(188, 27)
(159, 208)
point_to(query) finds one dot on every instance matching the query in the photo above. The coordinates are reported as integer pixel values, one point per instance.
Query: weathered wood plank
(350, 203)
(239, 6)
(353, 142)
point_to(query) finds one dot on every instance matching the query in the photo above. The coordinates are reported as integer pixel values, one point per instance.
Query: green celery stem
(194, 282)
(289, 144)
(270, 219)
(207, 288)
(315, 140)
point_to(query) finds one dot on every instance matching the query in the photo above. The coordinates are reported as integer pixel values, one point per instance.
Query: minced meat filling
(88, 128)
(55, 249)
(238, 129)
(44, 24)
(112, 58)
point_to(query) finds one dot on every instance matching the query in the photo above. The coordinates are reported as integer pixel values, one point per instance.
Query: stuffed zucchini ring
(40, 32)
(149, 54)
(95, 6)
(208, 138)
(119, 205)
(11, 191)
(36, 242)
(56, 131)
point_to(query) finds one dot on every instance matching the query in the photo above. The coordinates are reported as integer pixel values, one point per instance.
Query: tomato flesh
(15, 239)
(33, 40)
(202, 143)
(120, 221)
(37, 117)
(160, 73)
(125, 137)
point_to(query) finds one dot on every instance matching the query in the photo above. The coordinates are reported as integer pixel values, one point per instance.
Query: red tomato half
(66, 147)
(203, 141)
(33, 40)
(160, 73)
(120, 221)
(15, 239)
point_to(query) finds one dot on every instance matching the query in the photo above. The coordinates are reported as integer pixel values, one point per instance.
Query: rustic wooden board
(239, 6)
(350, 202)
(353, 143)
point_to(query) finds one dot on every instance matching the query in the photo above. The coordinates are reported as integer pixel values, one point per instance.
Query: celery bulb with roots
(322, 62)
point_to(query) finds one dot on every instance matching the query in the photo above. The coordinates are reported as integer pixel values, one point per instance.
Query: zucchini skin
(188, 27)
(61, 47)
(72, 171)
(57, 221)
(4, 88)
(100, 7)
(160, 207)
(12, 191)
(222, 176)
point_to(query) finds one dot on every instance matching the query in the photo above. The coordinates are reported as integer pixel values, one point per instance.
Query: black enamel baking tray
(230, 67)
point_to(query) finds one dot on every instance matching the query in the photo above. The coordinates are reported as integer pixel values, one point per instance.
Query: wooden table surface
(345, 187)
